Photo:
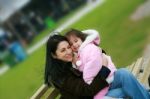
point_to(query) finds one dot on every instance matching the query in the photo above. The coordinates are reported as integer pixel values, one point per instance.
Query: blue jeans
(126, 85)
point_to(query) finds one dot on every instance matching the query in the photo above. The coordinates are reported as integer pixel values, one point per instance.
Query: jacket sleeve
(104, 72)
(93, 63)
(92, 36)
(76, 86)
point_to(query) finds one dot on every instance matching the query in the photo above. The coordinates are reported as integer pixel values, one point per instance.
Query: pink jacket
(90, 60)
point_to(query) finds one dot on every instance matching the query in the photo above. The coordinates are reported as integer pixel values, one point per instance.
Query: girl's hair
(77, 33)
(54, 68)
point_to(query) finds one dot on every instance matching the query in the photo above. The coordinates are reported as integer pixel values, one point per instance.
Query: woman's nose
(69, 51)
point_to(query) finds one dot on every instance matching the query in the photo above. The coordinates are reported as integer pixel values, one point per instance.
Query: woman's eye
(62, 50)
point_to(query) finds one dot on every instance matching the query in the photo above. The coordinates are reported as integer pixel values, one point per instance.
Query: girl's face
(64, 52)
(75, 42)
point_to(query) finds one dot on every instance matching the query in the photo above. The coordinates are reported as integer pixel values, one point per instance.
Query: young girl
(89, 56)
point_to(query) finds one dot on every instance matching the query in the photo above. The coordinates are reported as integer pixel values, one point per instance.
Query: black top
(72, 86)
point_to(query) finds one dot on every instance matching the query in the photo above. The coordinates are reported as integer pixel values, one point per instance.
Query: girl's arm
(92, 36)
(92, 57)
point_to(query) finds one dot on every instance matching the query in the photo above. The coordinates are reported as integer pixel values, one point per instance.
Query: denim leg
(129, 84)
(116, 93)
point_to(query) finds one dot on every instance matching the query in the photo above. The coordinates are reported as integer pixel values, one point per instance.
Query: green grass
(21, 81)
(122, 38)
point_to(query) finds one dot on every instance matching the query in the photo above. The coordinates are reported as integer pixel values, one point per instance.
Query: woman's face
(64, 52)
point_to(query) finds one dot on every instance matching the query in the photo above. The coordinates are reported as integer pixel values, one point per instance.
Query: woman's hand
(104, 60)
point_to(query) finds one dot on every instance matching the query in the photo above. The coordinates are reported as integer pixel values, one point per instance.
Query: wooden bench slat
(137, 67)
(130, 68)
(53, 94)
(143, 77)
(39, 93)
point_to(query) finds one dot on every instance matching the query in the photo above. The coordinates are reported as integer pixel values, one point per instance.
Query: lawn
(122, 38)
(21, 81)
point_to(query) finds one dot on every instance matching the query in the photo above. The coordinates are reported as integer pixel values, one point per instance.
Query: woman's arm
(76, 85)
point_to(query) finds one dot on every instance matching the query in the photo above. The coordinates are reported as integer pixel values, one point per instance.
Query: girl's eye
(75, 40)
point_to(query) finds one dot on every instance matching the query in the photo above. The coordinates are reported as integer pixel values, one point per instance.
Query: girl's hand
(75, 57)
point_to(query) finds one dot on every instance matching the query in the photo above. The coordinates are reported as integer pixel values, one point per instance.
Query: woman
(58, 71)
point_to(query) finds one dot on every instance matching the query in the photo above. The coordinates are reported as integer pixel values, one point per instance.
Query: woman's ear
(53, 55)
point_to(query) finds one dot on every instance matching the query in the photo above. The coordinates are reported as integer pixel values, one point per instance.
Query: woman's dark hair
(54, 68)
(75, 32)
